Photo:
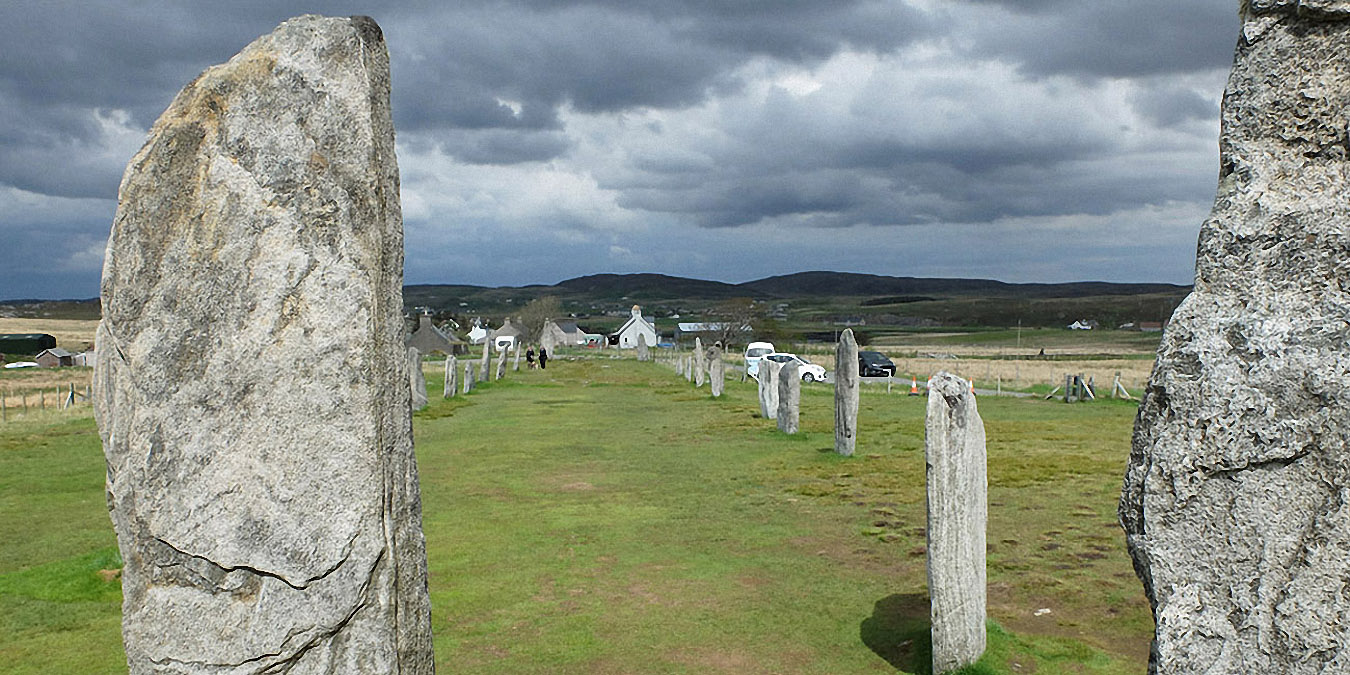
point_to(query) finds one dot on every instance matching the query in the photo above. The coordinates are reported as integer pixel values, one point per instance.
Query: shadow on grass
(899, 632)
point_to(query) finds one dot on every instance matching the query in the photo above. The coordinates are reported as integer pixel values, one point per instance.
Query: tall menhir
(1235, 499)
(252, 385)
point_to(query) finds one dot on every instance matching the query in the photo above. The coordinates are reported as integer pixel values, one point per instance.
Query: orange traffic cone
(913, 386)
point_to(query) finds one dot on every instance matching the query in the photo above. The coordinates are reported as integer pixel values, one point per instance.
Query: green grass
(605, 517)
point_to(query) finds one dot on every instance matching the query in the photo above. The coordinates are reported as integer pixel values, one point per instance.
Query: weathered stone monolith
(789, 397)
(484, 362)
(451, 376)
(689, 368)
(515, 360)
(501, 364)
(417, 380)
(1236, 502)
(717, 371)
(252, 379)
(845, 394)
(468, 376)
(643, 353)
(700, 362)
(958, 510)
(767, 375)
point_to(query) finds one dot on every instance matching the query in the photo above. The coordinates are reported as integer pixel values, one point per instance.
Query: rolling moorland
(801, 303)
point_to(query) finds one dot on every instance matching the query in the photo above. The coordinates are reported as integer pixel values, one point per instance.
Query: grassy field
(605, 517)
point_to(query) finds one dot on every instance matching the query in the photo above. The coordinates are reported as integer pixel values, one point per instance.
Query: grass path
(605, 517)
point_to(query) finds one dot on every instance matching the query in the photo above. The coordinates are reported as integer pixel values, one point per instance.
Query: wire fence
(24, 403)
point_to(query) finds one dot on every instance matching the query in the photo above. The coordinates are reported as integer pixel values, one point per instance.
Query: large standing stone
(767, 375)
(958, 510)
(643, 353)
(501, 364)
(468, 377)
(689, 368)
(1236, 503)
(417, 380)
(700, 366)
(515, 360)
(789, 397)
(252, 376)
(717, 371)
(845, 394)
(451, 374)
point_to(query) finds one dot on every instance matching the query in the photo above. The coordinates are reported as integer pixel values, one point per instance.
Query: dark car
(875, 364)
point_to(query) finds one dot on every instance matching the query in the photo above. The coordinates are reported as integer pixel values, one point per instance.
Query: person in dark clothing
(529, 357)
(543, 358)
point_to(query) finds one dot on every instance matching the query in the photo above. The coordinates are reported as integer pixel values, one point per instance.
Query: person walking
(543, 358)
(529, 358)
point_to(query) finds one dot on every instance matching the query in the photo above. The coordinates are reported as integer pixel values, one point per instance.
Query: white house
(477, 334)
(1080, 325)
(627, 336)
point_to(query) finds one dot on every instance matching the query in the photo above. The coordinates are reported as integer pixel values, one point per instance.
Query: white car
(810, 371)
(753, 353)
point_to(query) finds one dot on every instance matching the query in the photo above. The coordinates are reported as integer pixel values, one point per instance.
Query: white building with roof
(627, 336)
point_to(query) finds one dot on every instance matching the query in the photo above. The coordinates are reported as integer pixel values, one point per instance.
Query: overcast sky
(1020, 140)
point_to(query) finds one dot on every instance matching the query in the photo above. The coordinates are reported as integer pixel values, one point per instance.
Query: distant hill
(648, 286)
(809, 284)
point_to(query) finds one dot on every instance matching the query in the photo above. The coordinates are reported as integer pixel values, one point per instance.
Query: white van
(753, 353)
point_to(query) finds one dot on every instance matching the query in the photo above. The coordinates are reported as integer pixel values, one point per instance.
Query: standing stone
(451, 374)
(789, 396)
(689, 368)
(767, 375)
(501, 364)
(957, 515)
(1236, 503)
(845, 394)
(252, 379)
(717, 372)
(700, 366)
(468, 377)
(643, 353)
(417, 380)
(484, 365)
(515, 361)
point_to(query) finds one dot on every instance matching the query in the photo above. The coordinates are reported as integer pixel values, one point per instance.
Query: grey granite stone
(958, 513)
(417, 380)
(789, 397)
(252, 379)
(846, 394)
(1235, 501)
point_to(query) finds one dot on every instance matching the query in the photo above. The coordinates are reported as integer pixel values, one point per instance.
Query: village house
(507, 335)
(428, 338)
(566, 333)
(627, 335)
(55, 357)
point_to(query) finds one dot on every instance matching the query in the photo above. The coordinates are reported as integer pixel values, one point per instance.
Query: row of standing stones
(957, 484)
(268, 193)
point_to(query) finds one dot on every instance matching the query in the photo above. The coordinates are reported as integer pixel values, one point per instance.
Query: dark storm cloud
(1106, 39)
(595, 118)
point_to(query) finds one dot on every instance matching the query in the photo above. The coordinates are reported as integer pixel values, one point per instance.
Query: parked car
(753, 353)
(875, 364)
(810, 371)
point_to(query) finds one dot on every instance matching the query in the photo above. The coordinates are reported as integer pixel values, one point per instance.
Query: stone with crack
(1235, 500)
(252, 381)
